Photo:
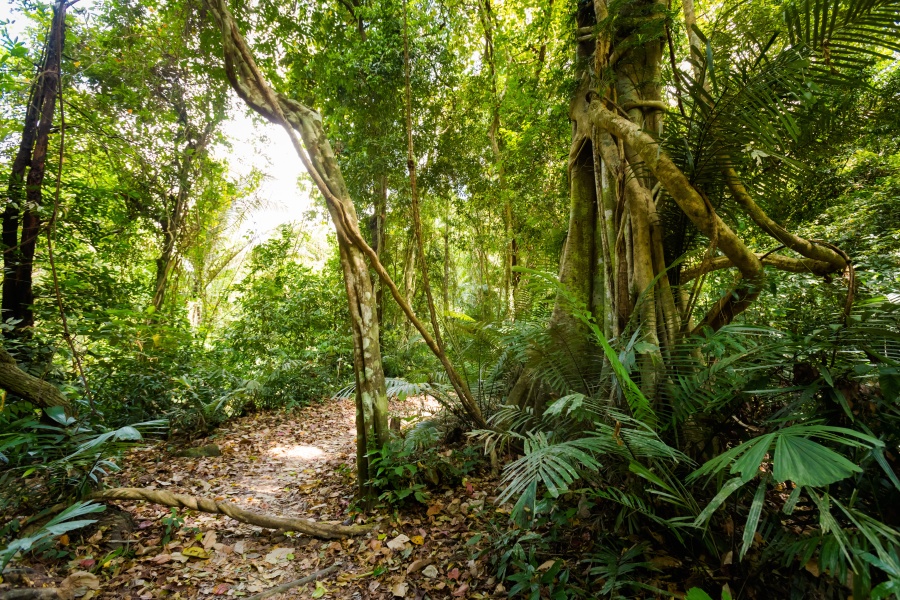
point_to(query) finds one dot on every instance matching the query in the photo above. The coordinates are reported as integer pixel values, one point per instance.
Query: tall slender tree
(24, 199)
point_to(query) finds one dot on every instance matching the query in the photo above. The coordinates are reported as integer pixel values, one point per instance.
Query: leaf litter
(300, 465)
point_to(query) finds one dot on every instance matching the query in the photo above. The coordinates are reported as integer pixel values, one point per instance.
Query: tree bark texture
(613, 262)
(24, 191)
(37, 391)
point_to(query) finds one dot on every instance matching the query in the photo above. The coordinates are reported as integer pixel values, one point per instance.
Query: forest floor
(299, 464)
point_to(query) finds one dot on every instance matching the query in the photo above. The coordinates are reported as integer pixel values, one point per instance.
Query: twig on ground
(278, 589)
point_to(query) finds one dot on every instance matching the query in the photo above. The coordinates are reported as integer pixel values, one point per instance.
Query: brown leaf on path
(453, 574)
(77, 585)
(665, 562)
(398, 542)
(209, 539)
(195, 552)
(812, 566)
(399, 590)
(418, 565)
(461, 590)
(430, 571)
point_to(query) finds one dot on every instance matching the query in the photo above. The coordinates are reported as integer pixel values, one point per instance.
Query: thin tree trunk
(371, 395)
(445, 284)
(317, 156)
(409, 267)
(18, 291)
(173, 222)
(510, 258)
(378, 240)
(414, 192)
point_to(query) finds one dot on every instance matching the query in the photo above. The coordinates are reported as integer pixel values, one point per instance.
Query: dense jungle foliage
(645, 256)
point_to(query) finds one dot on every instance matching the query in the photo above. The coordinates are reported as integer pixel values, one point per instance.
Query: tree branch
(779, 261)
(801, 246)
(696, 209)
(37, 391)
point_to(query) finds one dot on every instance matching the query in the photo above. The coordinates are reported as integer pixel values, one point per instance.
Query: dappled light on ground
(300, 452)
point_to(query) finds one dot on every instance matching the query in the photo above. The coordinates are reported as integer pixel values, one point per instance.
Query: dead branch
(327, 531)
(37, 391)
(280, 589)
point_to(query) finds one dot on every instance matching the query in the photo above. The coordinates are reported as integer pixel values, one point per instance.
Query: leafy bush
(405, 468)
(50, 457)
(289, 332)
(779, 421)
(43, 537)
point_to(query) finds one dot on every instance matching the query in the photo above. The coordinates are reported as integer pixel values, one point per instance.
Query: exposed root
(305, 526)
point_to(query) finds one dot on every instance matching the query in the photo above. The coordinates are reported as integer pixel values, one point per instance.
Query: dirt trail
(300, 465)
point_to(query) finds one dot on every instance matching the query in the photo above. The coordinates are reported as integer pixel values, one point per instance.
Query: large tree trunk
(613, 263)
(31, 157)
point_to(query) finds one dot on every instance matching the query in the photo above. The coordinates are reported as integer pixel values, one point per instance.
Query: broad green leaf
(697, 594)
(808, 463)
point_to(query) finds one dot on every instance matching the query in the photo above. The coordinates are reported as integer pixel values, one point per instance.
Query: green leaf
(697, 594)
(753, 517)
(319, 591)
(806, 462)
(730, 486)
(792, 500)
(748, 464)
(58, 414)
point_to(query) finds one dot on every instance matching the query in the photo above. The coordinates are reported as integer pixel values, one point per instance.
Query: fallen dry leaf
(209, 540)
(547, 565)
(430, 571)
(195, 552)
(221, 589)
(461, 590)
(279, 554)
(398, 542)
(418, 565)
(399, 590)
(77, 585)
